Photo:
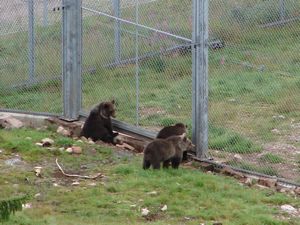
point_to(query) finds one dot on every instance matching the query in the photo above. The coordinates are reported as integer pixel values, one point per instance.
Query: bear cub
(177, 129)
(98, 125)
(165, 151)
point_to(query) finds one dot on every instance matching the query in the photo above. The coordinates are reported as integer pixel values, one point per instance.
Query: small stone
(133, 206)
(38, 171)
(289, 209)
(237, 157)
(55, 184)
(27, 206)
(145, 211)
(47, 142)
(91, 142)
(9, 122)
(164, 208)
(69, 150)
(76, 183)
(152, 193)
(61, 130)
(92, 184)
(39, 144)
(37, 195)
(268, 182)
(76, 150)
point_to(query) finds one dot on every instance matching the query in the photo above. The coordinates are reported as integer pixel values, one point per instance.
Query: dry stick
(76, 175)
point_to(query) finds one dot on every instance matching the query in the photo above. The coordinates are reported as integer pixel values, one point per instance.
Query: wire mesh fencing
(254, 82)
(30, 56)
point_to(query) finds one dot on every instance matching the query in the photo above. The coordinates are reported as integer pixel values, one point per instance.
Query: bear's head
(107, 109)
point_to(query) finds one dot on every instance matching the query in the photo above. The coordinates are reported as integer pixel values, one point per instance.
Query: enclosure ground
(191, 196)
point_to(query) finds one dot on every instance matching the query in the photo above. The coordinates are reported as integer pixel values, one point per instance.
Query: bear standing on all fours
(98, 125)
(166, 151)
(177, 129)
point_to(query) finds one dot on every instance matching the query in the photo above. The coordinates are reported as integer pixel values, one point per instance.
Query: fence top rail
(138, 25)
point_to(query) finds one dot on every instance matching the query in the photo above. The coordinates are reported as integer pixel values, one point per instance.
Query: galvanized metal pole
(282, 9)
(45, 13)
(72, 58)
(31, 41)
(137, 66)
(200, 77)
(116, 9)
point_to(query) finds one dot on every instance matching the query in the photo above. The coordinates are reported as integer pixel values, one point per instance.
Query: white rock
(76, 183)
(37, 195)
(39, 144)
(63, 131)
(164, 208)
(27, 206)
(145, 211)
(237, 157)
(47, 140)
(133, 206)
(69, 150)
(289, 209)
(55, 184)
(152, 193)
(8, 122)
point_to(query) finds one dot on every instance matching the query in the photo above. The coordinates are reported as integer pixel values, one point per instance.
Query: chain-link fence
(30, 55)
(139, 52)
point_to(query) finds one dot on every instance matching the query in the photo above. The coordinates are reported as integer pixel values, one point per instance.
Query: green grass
(117, 199)
(271, 158)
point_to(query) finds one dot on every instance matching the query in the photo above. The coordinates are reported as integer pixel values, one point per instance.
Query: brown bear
(177, 129)
(166, 151)
(98, 125)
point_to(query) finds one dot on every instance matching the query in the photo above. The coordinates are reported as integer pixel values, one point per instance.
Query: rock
(133, 206)
(9, 122)
(76, 150)
(27, 206)
(69, 150)
(164, 208)
(145, 212)
(152, 193)
(61, 130)
(38, 171)
(289, 209)
(275, 131)
(47, 142)
(268, 182)
(230, 172)
(37, 195)
(1, 150)
(237, 157)
(13, 161)
(39, 144)
(75, 183)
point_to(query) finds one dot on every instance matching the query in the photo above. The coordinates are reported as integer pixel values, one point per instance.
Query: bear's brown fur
(166, 151)
(98, 125)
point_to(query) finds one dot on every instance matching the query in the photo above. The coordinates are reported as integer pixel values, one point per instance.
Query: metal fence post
(282, 10)
(45, 13)
(137, 66)
(72, 58)
(116, 9)
(200, 77)
(31, 41)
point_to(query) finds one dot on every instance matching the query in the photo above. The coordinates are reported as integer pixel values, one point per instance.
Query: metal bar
(72, 59)
(45, 13)
(117, 13)
(244, 171)
(31, 41)
(137, 68)
(139, 25)
(200, 77)
(282, 10)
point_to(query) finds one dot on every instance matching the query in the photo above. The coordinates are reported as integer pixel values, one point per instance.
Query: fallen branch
(76, 175)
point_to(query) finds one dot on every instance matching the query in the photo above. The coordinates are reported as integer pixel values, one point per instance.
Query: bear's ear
(113, 101)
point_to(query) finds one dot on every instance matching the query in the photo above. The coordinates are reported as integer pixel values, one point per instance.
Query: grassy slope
(187, 192)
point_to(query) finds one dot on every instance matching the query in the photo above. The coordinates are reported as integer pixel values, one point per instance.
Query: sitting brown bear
(98, 125)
